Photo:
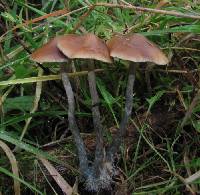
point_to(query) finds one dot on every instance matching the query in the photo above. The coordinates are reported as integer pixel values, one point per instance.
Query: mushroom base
(104, 180)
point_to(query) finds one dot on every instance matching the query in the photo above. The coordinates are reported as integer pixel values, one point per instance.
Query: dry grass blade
(191, 108)
(65, 187)
(2, 99)
(193, 177)
(184, 181)
(52, 14)
(45, 78)
(35, 104)
(14, 166)
(181, 99)
(186, 162)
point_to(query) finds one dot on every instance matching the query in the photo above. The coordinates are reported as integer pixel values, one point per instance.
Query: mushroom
(50, 53)
(90, 47)
(134, 48)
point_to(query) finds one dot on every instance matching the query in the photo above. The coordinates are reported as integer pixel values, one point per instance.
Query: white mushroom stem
(99, 154)
(117, 140)
(83, 161)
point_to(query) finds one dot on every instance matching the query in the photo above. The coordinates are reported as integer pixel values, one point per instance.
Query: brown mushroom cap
(136, 48)
(49, 53)
(84, 46)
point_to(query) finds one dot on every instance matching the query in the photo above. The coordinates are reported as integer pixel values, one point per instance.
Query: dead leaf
(65, 187)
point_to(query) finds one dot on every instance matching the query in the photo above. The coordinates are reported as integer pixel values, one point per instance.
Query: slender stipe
(117, 140)
(99, 153)
(82, 155)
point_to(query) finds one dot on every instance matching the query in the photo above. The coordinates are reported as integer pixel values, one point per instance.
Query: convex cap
(136, 48)
(84, 46)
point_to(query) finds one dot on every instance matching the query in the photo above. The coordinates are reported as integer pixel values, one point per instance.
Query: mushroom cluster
(134, 48)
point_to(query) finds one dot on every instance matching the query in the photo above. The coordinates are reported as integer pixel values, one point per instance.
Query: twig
(144, 9)
(183, 48)
(172, 71)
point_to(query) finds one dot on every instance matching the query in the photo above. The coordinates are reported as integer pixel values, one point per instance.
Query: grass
(159, 153)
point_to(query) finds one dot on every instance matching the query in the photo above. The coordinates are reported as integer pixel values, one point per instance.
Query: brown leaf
(65, 187)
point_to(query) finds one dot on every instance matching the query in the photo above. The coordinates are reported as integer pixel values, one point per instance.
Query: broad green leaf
(23, 103)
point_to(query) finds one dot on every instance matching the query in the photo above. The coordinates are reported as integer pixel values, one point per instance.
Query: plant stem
(144, 9)
(83, 161)
(99, 153)
(117, 140)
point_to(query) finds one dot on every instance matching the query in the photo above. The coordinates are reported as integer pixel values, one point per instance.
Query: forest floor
(161, 150)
